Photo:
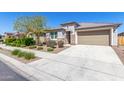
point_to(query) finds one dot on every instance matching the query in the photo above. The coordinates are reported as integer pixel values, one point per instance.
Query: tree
(31, 24)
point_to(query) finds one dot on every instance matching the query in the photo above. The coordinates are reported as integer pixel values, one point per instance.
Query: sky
(54, 19)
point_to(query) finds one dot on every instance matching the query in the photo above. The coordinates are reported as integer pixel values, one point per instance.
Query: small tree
(33, 24)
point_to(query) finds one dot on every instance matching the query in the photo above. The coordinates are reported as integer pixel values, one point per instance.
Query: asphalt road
(7, 74)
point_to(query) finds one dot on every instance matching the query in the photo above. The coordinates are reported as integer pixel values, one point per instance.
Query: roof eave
(54, 30)
(114, 25)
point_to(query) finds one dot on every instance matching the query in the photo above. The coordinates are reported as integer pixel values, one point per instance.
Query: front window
(53, 35)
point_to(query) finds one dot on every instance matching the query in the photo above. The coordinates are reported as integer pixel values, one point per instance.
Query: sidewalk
(26, 70)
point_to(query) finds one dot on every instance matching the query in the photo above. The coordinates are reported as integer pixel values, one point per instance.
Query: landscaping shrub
(39, 47)
(49, 49)
(21, 54)
(1, 40)
(29, 41)
(51, 43)
(15, 52)
(29, 55)
(13, 44)
(32, 47)
(60, 44)
(8, 41)
(26, 55)
(19, 42)
(18, 45)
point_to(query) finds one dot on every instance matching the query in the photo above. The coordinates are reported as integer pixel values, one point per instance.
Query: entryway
(68, 37)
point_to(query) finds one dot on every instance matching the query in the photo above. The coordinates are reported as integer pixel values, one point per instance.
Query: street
(7, 74)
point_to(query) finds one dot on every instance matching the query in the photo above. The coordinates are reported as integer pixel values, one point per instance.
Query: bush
(29, 55)
(18, 45)
(39, 47)
(26, 55)
(13, 44)
(19, 42)
(29, 41)
(32, 47)
(8, 41)
(60, 44)
(50, 49)
(21, 54)
(15, 52)
(51, 43)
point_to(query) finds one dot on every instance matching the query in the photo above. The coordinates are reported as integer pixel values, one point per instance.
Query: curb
(27, 71)
(19, 71)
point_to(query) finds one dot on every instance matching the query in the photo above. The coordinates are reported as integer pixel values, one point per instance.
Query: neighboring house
(16, 34)
(85, 33)
(121, 34)
(121, 39)
(1, 38)
(8, 35)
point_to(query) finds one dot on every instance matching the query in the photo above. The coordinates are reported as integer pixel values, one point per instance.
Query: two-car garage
(97, 37)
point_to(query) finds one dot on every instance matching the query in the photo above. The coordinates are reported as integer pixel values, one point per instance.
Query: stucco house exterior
(85, 33)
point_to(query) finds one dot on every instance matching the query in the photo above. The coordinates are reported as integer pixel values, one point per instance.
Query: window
(53, 35)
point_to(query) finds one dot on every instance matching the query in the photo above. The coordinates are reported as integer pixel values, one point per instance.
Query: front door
(68, 37)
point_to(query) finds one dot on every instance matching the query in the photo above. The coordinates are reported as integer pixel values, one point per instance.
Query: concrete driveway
(82, 62)
(99, 53)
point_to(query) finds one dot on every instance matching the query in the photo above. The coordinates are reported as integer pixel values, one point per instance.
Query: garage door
(94, 38)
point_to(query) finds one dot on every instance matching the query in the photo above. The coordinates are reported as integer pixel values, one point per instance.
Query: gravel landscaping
(45, 49)
(120, 52)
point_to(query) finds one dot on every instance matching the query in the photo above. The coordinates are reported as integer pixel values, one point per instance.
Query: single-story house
(121, 39)
(16, 34)
(85, 33)
(121, 34)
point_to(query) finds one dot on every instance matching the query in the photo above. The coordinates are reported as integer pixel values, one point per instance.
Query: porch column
(111, 32)
(115, 38)
(76, 38)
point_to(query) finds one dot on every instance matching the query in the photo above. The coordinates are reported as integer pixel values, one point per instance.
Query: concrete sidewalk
(64, 67)
(25, 70)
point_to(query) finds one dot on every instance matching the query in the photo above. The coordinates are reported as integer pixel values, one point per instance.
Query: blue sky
(54, 19)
